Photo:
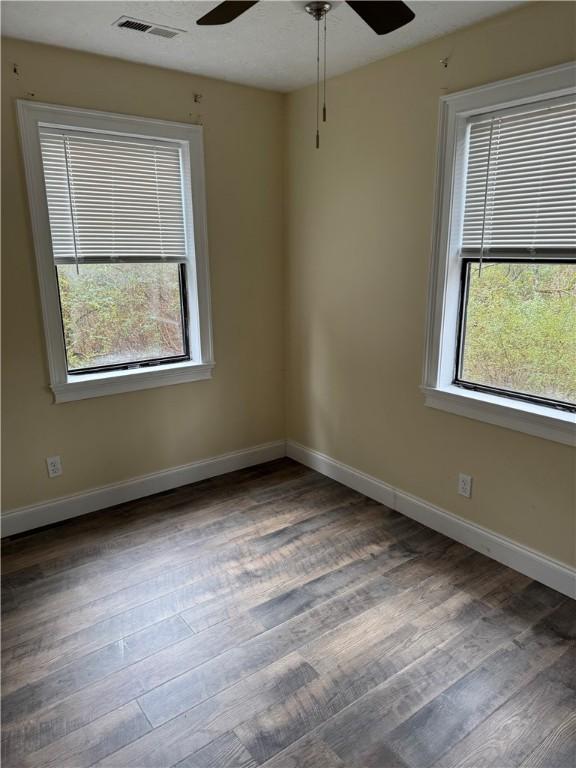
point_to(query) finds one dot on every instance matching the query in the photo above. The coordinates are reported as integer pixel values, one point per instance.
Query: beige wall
(359, 230)
(114, 438)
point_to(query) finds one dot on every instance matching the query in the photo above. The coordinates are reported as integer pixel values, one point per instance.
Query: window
(501, 341)
(118, 213)
(123, 315)
(518, 330)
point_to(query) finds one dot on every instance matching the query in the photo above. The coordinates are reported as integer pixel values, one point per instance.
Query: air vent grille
(137, 25)
(162, 32)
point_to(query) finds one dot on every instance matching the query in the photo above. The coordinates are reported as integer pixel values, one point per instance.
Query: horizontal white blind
(521, 181)
(113, 197)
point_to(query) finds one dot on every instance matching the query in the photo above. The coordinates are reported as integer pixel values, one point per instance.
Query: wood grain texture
(224, 752)
(558, 750)
(84, 746)
(513, 730)
(273, 617)
(309, 752)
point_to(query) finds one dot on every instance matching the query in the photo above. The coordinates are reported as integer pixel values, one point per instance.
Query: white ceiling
(271, 46)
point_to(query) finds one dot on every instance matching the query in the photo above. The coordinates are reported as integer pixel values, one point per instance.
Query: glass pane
(520, 332)
(116, 314)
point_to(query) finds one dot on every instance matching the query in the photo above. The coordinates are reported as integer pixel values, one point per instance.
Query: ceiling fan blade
(225, 12)
(382, 15)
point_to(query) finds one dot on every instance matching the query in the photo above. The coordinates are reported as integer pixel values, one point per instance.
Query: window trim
(445, 268)
(76, 386)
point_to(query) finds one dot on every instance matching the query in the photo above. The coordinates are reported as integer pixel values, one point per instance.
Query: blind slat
(113, 198)
(521, 180)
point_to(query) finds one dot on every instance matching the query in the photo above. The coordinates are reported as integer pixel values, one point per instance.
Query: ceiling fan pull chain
(317, 82)
(324, 94)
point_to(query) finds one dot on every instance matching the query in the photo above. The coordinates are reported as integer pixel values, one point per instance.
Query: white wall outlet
(54, 465)
(465, 485)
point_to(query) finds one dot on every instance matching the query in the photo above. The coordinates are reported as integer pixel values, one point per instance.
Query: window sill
(113, 383)
(532, 419)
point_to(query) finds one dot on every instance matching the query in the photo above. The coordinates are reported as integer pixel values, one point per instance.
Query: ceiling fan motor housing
(318, 10)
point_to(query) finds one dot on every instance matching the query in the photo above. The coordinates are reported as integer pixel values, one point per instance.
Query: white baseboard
(26, 518)
(537, 566)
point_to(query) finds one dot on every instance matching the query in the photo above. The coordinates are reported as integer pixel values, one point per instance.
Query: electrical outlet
(54, 465)
(465, 485)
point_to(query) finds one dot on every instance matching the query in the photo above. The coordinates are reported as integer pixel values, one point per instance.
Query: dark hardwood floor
(274, 618)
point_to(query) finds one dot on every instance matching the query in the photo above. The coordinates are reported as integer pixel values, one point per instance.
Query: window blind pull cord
(486, 196)
(68, 162)
(318, 82)
(158, 210)
(324, 83)
(532, 248)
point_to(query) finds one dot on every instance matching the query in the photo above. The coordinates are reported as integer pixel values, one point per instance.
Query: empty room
(288, 384)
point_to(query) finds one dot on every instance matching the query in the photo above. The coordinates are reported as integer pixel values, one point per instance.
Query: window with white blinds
(521, 181)
(501, 336)
(118, 209)
(113, 198)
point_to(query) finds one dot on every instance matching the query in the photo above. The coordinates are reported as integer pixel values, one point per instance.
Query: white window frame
(31, 115)
(445, 272)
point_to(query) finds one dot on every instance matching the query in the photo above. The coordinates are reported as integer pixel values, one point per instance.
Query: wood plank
(49, 652)
(287, 571)
(181, 693)
(48, 649)
(24, 701)
(86, 745)
(119, 688)
(227, 751)
(514, 730)
(274, 729)
(363, 731)
(189, 732)
(345, 679)
(40, 606)
(233, 528)
(306, 596)
(440, 724)
(365, 633)
(398, 647)
(90, 537)
(309, 752)
(558, 750)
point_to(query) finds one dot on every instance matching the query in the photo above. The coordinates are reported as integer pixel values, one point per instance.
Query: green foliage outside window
(120, 313)
(521, 328)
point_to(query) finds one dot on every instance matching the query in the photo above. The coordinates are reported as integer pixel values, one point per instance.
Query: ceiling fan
(382, 16)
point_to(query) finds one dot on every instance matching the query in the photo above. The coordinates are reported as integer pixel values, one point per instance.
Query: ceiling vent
(137, 25)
